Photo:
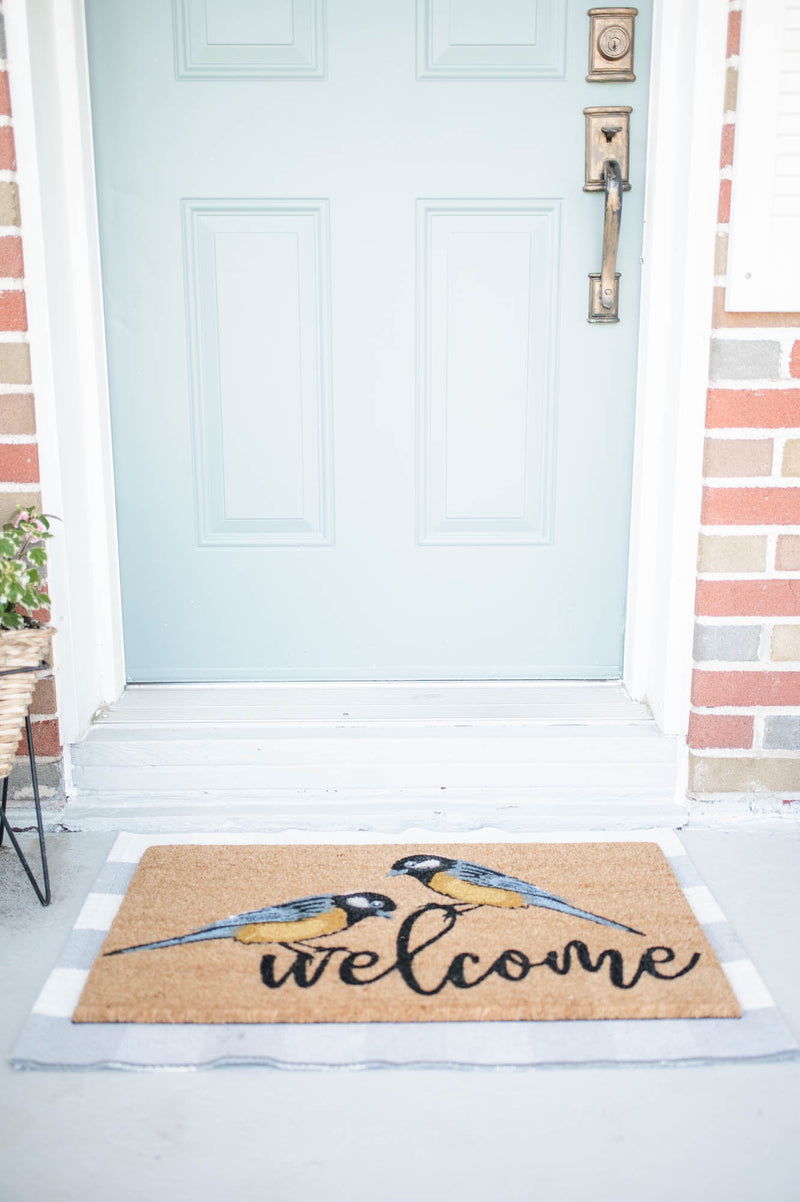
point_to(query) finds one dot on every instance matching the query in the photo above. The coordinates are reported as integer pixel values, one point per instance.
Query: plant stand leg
(43, 896)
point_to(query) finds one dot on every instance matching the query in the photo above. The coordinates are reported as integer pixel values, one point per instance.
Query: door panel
(362, 429)
(261, 407)
(488, 297)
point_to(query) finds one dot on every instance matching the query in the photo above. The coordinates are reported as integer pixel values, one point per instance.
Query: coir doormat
(405, 933)
(430, 951)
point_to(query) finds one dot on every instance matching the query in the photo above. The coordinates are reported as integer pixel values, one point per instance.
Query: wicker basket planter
(24, 648)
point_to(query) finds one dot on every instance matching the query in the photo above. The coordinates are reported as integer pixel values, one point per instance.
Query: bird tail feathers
(193, 937)
(555, 903)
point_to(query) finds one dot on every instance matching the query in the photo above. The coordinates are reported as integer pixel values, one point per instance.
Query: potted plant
(24, 641)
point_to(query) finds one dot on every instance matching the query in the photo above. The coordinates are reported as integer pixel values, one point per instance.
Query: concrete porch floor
(729, 1131)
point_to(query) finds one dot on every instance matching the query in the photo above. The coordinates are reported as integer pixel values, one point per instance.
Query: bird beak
(384, 914)
(396, 872)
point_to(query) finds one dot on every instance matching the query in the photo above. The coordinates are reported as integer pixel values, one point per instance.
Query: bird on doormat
(287, 923)
(471, 885)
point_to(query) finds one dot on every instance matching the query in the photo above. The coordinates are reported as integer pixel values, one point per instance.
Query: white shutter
(764, 251)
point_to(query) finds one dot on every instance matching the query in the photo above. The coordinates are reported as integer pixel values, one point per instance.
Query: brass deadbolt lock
(611, 44)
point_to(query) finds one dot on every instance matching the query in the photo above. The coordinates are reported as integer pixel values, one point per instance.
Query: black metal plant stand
(43, 895)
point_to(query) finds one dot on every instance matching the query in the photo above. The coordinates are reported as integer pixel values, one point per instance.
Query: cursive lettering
(463, 971)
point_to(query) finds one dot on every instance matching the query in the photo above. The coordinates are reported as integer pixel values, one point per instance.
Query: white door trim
(52, 120)
(686, 106)
(47, 62)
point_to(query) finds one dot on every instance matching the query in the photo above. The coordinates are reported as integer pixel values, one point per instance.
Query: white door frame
(52, 120)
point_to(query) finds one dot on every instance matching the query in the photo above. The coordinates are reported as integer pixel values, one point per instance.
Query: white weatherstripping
(53, 132)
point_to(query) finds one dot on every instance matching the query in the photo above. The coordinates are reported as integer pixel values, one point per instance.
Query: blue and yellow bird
(474, 885)
(287, 923)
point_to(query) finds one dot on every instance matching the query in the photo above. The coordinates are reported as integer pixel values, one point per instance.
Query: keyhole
(609, 131)
(614, 42)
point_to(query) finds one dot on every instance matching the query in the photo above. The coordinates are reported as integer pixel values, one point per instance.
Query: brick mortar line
(707, 578)
(18, 440)
(40, 759)
(734, 665)
(752, 667)
(766, 333)
(726, 531)
(738, 711)
(746, 619)
(740, 482)
(766, 797)
(759, 718)
(746, 753)
(754, 383)
(751, 433)
(785, 358)
(778, 451)
(768, 802)
(765, 577)
(781, 334)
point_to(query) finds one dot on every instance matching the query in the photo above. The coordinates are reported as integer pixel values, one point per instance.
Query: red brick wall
(19, 457)
(744, 728)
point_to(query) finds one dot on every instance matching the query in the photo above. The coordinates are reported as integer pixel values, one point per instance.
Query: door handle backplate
(607, 144)
(607, 137)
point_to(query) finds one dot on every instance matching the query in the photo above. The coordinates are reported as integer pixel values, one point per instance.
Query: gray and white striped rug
(51, 1041)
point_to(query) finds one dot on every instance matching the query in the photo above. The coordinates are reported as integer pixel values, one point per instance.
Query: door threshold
(351, 703)
(383, 757)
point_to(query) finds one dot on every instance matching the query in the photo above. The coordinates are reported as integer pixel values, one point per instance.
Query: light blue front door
(362, 428)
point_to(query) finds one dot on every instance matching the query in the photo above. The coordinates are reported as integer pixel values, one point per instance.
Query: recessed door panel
(487, 327)
(362, 428)
(248, 39)
(258, 320)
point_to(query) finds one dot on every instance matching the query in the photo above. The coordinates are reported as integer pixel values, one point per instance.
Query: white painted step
(267, 757)
(205, 757)
(490, 702)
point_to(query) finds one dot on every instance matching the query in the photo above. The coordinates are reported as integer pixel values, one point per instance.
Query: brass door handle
(604, 285)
